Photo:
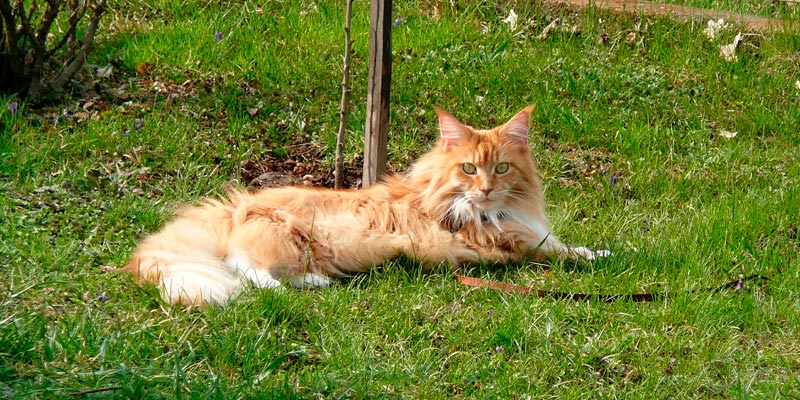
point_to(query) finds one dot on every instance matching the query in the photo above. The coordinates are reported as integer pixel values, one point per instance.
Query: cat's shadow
(407, 270)
(525, 266)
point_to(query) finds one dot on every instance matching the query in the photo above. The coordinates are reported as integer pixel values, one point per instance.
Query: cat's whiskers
(512, 194)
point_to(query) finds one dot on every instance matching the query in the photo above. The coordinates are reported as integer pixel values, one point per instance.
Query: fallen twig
(605, 298)
(96, 390)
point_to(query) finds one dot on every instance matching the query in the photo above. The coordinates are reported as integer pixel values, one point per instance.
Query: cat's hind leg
(240, 262)
(276, 250)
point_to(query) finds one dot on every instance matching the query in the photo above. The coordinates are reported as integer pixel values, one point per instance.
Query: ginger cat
(476, 196)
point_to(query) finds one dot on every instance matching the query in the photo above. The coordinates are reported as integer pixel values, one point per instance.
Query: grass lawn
(650, 144)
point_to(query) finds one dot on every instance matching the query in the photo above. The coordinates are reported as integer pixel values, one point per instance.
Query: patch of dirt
(136, 91)
(750, 22)
(596, 168)
(302, 164)
(597, 165)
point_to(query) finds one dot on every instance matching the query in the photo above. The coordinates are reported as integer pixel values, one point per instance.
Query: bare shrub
(44, 43)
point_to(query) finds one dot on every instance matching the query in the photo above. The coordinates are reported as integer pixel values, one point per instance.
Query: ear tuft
(516, 129)
(451, 130)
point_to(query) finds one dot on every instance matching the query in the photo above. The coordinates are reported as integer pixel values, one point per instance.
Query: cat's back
(301, 200)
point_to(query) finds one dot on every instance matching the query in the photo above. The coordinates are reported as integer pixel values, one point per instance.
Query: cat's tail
(183, 263)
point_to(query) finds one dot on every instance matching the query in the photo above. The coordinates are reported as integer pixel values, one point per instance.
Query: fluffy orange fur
(475, 197)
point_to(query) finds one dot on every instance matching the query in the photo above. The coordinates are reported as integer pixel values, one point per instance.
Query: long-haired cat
(475, 196)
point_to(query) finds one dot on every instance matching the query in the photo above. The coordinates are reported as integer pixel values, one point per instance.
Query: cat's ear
(451, 130)
(516, 129)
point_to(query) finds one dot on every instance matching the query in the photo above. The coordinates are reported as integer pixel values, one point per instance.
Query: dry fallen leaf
(107, 268)
(144, 68)
(728, 51)
(254, 111)
(552, 25)
(631, 38)
(105, 72)
(511, 20)
(727, 134)
(568, 182)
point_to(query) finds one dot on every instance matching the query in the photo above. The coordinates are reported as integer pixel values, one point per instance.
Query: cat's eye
(469, 169)
(501, 168)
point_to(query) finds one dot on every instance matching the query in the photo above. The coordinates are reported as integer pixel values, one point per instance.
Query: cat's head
(484, 175)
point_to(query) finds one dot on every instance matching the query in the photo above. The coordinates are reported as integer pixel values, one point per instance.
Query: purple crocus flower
(217, 36)
(13, 107)
(398, 21)
(138, 124)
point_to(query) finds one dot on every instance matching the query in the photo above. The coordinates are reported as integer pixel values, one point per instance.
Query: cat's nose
(486, 191)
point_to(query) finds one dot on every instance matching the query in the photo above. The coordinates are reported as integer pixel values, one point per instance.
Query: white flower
(714, 27)
(511, 20)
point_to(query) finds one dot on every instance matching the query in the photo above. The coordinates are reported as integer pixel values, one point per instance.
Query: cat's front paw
(589, 255)
(602, 253)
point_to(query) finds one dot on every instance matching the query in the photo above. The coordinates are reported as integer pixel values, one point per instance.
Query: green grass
(689, 209)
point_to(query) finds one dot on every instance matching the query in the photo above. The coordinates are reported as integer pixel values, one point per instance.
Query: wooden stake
(380, 77)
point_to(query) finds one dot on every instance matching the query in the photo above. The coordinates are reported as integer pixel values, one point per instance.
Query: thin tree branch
(25, 24)
(72, 38)
(39, 39)
(50, 15)
(338, 172)
(73, 26)
(72, 66)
